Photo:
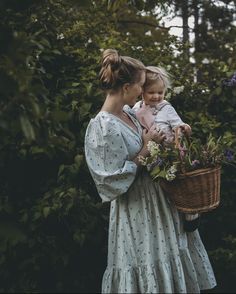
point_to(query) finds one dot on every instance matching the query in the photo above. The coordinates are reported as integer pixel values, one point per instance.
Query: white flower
(149, 166)
(60, 36)
(170, 173)
(153, 148)
(178, 90)
(205, 61)
(148, 33)
(142, 160)
(168, 96)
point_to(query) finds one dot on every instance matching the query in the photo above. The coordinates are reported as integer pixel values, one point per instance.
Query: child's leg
(191, 222)
(190, 217)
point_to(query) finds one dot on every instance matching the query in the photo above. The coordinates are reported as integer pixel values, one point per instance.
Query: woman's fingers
(154, 134)
(158, 136)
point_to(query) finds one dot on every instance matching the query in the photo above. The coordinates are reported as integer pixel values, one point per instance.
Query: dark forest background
(53, 226)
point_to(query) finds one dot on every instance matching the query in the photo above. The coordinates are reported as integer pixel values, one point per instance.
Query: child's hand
(186, 129)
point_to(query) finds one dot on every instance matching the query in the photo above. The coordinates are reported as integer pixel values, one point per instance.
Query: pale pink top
(163, 115)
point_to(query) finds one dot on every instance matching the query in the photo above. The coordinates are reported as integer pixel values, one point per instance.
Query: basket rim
(199, 171)
(198, 210)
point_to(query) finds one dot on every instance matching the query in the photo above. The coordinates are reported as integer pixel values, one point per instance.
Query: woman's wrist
(143, 153)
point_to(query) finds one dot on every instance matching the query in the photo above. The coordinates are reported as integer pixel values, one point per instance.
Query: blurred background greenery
(53, 227)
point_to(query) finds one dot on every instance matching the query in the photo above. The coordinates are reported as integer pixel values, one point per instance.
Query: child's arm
(175, 121)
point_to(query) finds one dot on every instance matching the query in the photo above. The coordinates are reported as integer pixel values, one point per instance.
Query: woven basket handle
(177, 144)
(177, 131)
(177, 136)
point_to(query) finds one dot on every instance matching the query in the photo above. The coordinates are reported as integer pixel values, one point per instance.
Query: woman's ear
(126, 87)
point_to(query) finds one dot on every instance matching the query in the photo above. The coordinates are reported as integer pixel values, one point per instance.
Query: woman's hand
(152, 134)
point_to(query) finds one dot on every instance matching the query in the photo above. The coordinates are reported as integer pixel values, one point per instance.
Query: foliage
(53, 227)
(50, 213)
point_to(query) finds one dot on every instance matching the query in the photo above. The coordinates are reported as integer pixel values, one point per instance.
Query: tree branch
(141, 22)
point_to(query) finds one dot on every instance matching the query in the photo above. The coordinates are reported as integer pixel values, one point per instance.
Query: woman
(148, 251)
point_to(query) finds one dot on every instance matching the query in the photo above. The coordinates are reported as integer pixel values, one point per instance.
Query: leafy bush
(53, 227)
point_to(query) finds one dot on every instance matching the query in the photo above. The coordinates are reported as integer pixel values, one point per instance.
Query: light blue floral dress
(148, 251)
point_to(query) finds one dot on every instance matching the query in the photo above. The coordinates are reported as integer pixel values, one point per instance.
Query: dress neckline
(137, 131)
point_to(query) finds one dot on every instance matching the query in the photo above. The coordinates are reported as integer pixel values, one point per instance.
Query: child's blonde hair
(154, 73)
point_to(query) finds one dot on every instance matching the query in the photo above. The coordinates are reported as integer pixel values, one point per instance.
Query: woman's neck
(113, 104)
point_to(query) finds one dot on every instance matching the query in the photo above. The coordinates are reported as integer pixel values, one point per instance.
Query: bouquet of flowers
(188, 170)
(185, 155)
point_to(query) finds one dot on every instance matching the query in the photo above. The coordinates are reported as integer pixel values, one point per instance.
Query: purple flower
(158, 162)
(229, 155)
(195, 162)
(230, 82)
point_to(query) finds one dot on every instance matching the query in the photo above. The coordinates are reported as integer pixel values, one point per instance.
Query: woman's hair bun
(111, 57)
(111, 62)
(117, 70)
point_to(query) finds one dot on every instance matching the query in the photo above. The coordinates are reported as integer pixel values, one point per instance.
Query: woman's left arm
(108, 160)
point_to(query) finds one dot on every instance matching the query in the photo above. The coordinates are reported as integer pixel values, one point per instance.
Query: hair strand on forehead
(154, 74)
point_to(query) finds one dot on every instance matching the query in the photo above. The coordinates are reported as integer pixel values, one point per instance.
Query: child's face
(154, 94)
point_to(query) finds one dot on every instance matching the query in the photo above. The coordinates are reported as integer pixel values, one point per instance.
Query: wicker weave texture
(194, 192)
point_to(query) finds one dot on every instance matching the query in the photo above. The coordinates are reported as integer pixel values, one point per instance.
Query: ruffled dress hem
(176, 274)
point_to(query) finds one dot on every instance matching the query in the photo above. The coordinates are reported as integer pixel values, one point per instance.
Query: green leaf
(79, 160)
(55, 51)
(84, 108)
(60, 115)
(36, 215)
(36, 108)
(27, 128)
(37, 150)
(218, 90)
(46, 211)
(10, 232)
(155, 172)
(75, 84)
(89, 88)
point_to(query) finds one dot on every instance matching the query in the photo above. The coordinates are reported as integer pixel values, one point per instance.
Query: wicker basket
(194, 192)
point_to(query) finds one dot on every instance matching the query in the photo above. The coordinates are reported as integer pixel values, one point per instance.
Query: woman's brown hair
(117, 70)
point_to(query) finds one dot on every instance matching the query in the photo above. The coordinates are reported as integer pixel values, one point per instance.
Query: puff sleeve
(108, 159)
(136, 106)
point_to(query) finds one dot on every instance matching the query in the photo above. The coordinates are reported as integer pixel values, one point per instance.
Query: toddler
(155, 111)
